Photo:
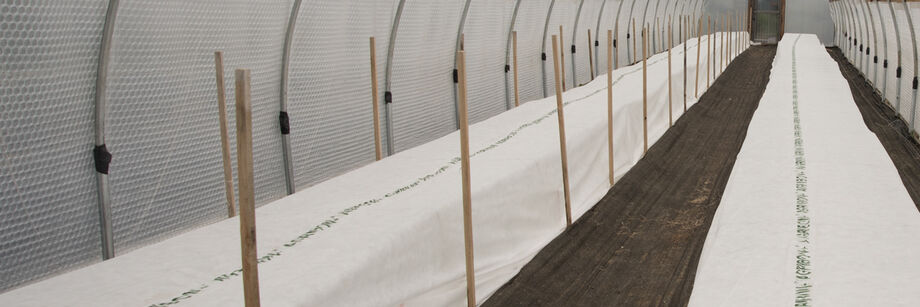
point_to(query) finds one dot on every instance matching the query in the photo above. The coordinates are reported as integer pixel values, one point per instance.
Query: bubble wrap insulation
(163, 130)
(48, 214)
(329, 86)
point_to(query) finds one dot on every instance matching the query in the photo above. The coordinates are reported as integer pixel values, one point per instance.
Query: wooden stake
(709, 42)
(644, 94)
(462, 41)
(685, 21)
(465, 173)
(610, 107)
(378, 151)
(247, 191)
(722, 47)
(590, 55)
(224, 133)
(699, 47)
(670, 94)
(562, 58)
(517, 97)
(559, 112)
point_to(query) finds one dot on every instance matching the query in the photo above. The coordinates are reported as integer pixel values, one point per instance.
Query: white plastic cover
(796, 228)
(48, 215)
(390, 233)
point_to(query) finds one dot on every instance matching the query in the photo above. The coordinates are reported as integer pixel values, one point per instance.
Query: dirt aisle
(887, 126)
(640, 244)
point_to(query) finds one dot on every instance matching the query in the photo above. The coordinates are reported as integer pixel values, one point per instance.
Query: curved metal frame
(667, 7)
(854, 34)
(673, 17)
(103, 192)
(285, 64)
(913, 37)
(833, 11)
(574, 40)
(878, 11)
(656, 35)
(897, 33)
(597, 32)
(863, 36)
(864, 21)
(642, 24)
(630, 58)
(517, 5)
(874, 42)
(616, 26)
(391, 45)
(549, 13)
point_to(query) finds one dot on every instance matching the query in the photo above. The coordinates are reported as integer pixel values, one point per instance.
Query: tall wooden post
(610, 107)
(378, 151)
(709, 41)
(699, 42)
(465, 173)
(562, 58)
(517, 96)
(247, 191)
(670, 91)
(557, 67)
(224, 132)
(644, 93)
(590, 55)
(686, 32)
(722, 58)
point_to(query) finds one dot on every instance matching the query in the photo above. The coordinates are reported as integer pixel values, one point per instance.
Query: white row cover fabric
(815, 213)
(390, 233)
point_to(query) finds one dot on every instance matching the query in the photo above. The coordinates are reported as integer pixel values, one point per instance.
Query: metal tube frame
(283, 102)
(597, 31)
(388, 95)
(549, 13)
(874, 42)
(630, 58)
(913, 37)
(103, 193)
(616, 26)
(574, 41)
(897, 33)
(878, 11)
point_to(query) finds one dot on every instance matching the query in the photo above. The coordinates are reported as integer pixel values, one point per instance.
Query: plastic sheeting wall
(810, 16)
(890, 40)
(48, 216)
(162, 122)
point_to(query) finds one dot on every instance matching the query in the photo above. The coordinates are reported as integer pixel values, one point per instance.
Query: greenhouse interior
(459, 153)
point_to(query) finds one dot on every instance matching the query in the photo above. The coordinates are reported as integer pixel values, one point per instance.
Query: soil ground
(882, 120)
(640, 245)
